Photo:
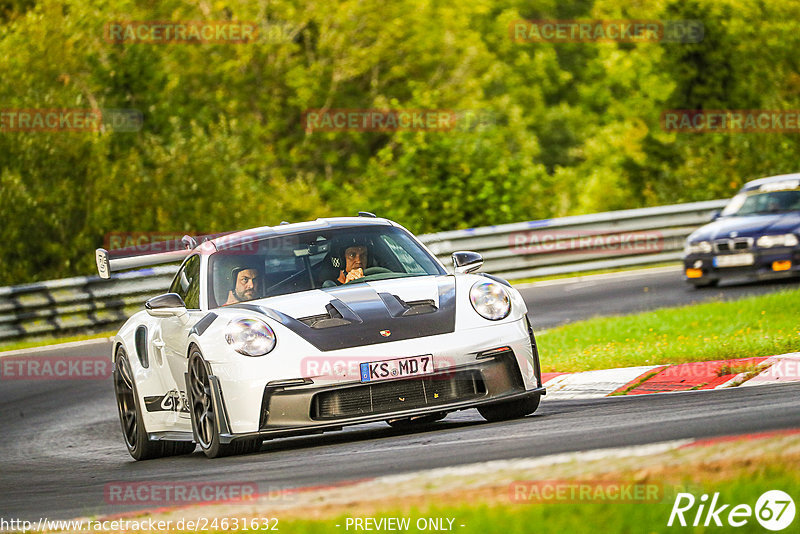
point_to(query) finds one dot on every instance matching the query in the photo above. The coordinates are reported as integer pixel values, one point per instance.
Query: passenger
(246, 284)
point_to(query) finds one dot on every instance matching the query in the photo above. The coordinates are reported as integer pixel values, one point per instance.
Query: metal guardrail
(579, 243)
(84, 303)
(513, 251)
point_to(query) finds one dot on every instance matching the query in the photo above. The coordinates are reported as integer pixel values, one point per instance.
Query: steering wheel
(370, 271)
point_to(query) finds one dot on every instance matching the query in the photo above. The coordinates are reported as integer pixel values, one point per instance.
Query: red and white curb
(668, 378)
(592, 384)
(783, 368)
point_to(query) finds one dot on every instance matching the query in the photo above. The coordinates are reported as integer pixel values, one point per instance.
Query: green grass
(14, 345)
(754, 326)
(736, 369)
(739, 486)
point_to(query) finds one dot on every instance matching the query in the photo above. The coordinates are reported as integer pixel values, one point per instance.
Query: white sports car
(304, 328)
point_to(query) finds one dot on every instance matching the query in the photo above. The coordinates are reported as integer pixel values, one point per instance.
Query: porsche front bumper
(478, 377)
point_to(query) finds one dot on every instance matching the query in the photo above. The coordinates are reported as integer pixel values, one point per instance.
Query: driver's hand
(352, 275)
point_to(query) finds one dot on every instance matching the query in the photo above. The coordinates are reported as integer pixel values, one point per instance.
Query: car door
(175, 333)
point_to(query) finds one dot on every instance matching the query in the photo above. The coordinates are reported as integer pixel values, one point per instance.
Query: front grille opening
(383, 397)
(733, 244)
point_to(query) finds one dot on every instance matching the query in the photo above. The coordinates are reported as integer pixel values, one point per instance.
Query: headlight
(784, 240)
(490, 300)
(701, 247)
(250, 337)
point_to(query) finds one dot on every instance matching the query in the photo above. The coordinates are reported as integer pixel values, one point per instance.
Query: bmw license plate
(734, 260)
(402, 367)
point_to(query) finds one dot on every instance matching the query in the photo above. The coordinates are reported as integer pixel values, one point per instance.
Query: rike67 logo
(774, 510)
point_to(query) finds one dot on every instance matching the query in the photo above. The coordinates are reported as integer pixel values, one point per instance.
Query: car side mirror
(466, 261)
(715, 215)
(166, 305)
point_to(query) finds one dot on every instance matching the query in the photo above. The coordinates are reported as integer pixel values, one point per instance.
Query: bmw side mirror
(166, 305)
(466, 261)
(715, 215)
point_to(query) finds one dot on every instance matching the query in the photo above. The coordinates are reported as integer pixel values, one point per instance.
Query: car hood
(314, 302)
(748, 226)
(363, 314)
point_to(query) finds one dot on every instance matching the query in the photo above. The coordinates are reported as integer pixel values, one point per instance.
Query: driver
(246, 284)
(353, 255)
(774, 203)
(355, 261)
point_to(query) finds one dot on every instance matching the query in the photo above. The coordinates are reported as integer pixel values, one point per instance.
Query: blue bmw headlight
(699, 247)
(250, 337)
(782, 240)
(490, 300)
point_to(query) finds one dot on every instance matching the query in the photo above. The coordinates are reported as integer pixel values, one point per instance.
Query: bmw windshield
(758, 203)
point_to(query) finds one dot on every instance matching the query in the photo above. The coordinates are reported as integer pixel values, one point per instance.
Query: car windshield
(314, 260)
(754, 203)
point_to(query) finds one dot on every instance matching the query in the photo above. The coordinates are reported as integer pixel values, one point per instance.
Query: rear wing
(136, 257)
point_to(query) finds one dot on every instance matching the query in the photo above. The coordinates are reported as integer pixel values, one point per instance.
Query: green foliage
(566, 128)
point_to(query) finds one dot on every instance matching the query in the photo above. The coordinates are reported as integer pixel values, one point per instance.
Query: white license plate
(734, 260)
(389, 369)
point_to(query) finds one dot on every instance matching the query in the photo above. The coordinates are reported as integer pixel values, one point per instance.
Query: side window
(187, 283)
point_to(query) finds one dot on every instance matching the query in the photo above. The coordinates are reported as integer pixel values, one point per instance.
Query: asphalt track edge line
(601, 276)
(56, 346)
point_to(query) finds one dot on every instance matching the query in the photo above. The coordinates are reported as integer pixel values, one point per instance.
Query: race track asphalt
(563, 301)
(61, 442)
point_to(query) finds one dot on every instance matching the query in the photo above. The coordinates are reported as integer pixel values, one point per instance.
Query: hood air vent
(338, 314)
(399, 308)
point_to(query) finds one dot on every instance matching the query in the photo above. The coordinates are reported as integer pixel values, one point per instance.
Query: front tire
(134, 432)
(204, 416)
(503, 411)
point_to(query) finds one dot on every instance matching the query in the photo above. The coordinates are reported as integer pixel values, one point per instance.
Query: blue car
(756, 236)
